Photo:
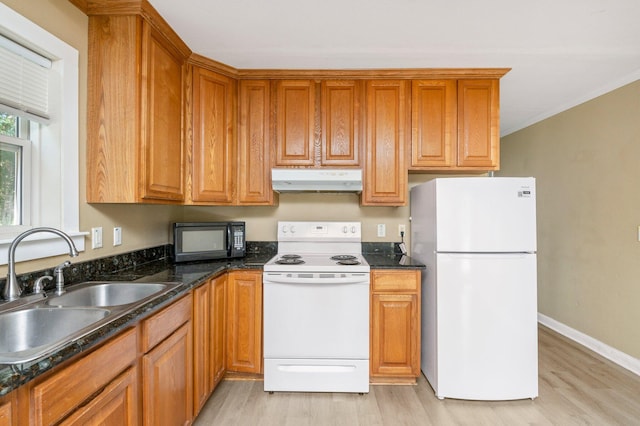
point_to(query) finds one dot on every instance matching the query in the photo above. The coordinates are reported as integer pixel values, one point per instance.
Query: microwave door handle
(229, 242)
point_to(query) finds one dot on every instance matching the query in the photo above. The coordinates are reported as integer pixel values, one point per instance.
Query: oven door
(316, 332)
(316, 315)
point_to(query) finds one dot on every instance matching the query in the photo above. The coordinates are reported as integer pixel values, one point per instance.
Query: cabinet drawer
(61, 393)
(393, 280)
(161, 325)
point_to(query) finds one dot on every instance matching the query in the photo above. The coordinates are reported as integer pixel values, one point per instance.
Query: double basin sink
(39, 325)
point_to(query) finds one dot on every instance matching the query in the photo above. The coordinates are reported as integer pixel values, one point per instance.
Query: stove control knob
(345, 229)
(284, 229)
(293, 229)
(353, 229)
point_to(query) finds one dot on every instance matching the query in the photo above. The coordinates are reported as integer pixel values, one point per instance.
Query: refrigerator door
(490, 215)
(487, 347)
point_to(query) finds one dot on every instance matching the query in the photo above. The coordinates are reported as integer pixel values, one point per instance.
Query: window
(38, 139)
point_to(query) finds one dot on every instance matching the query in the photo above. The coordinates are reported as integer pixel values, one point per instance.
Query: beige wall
(588, 182)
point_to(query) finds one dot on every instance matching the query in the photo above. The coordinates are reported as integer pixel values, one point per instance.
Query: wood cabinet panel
(395, 349)
(341, 121)
(218, 356)
(201, 346)
(478, 124)
(209, 347)
(214, 156)
(134, 114)
(386, 178)
(254, 143)
(295, 122)
(244, 307)
(9, 409)
(116, 405)
(161, 113)
(395, 326)
(57, 396)
(434, 123)
(167, 381)
(158, 327)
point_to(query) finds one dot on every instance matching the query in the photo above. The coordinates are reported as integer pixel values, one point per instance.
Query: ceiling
(562, 52)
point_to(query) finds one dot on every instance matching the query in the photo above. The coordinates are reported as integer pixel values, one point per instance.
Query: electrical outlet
(401, 230)
(96, 237)
(382, 230)
(117, 236)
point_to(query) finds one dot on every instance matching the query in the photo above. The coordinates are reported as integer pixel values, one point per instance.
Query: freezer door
(485, 214)
(487, 346)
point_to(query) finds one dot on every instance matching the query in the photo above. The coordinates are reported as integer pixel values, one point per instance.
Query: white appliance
(477, 237)
(316, 310)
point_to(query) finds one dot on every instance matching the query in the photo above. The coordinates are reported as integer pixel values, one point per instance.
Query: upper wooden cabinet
(213, 154)
(134, 114)
(254, 143)
(295, 122)
(478, 124)
(341, 120)
(455, 125)
(387, 118)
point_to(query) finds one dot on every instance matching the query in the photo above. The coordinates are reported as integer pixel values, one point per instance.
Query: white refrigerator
(477, 238)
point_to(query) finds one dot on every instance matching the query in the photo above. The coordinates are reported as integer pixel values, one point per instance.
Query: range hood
(316, 180)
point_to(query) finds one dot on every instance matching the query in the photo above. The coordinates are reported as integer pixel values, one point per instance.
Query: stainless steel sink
(34, 326)
(109, 294)
(29, 333)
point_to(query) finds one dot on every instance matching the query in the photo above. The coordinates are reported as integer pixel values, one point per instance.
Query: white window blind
(24, 80)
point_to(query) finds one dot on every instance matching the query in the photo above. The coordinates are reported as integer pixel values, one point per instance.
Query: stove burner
(344, 257)
(289, 261)
(348, 262)
(290, 256)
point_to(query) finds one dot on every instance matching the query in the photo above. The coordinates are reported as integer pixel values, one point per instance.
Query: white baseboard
(612, 354)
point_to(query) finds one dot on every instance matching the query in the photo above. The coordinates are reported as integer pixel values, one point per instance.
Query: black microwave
(208, 240)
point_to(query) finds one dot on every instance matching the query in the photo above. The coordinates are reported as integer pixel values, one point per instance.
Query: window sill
(40, 246)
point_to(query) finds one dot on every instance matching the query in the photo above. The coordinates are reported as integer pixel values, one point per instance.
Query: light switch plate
(96, 237)
(117, 236)
(382, 231)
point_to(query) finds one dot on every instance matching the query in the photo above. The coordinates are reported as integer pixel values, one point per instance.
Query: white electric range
(316, 310)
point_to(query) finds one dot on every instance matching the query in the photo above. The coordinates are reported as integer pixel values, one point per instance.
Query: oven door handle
(358, 279)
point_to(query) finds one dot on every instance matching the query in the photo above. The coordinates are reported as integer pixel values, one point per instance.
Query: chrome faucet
(12, 289)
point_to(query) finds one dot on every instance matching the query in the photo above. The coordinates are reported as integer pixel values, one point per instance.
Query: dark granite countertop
(191, 275)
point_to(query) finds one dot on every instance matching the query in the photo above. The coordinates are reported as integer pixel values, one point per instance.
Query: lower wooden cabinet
(116, 405)
(9, 409)
(167, 372)
(209, 346)
(85, 389)
(244, 330)
(395, 326)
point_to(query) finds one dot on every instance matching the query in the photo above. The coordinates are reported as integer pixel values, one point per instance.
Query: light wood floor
(576, 387)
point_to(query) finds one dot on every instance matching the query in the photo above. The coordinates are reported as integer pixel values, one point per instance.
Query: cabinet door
(478, 124)
(116, 405)
(244, 339)
(395, 349)
(162, 151)
(433, 124)
(254, 147)
(341, 121)
(167, 381)
(9, 410)
(387, 126)
(201, 346)
(214, 157)
(218, 329)
(295, 126)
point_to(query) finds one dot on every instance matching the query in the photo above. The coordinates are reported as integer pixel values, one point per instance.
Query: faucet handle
(61, 266)
(38, 286)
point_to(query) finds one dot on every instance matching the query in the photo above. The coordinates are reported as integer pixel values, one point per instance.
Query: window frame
(64, 126)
